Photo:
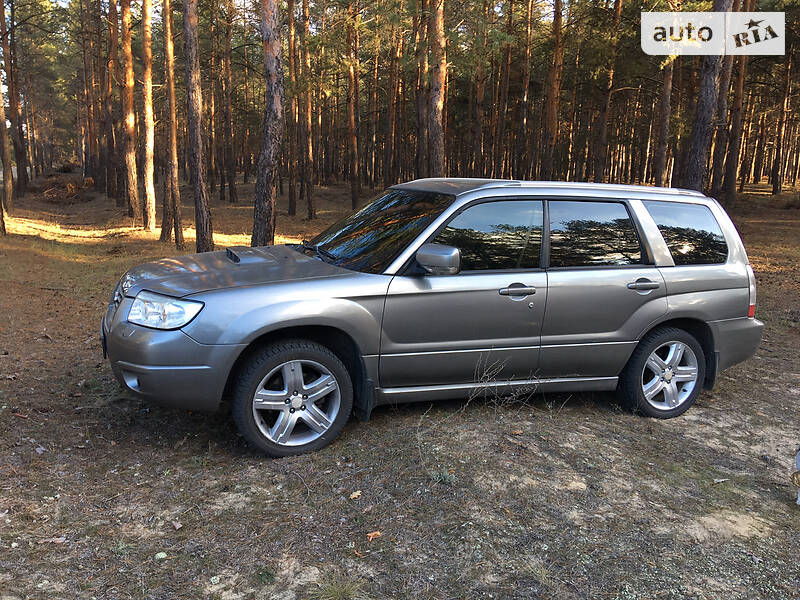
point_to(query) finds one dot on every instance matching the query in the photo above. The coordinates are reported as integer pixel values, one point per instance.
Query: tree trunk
(292, 129)
(230, 160)
(501, 109)
(480, 93)
(129, 141)
(552, 94)
(212, 106)
(194, 119)
(664, 111)
(600, 150)
(172, 202)
(777, 162)
(111, 75)
(700, 140)
(421, 52)
(264, 214)
(87, 51)
(721, 140)
(435, 127)
(7, 198)
(352, 129)
(760, 150)
(149, 122)
(523, 159)
(389, 170)
(307, 146)
(20, 158)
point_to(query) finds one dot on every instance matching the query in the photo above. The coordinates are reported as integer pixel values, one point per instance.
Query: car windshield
(370, 239)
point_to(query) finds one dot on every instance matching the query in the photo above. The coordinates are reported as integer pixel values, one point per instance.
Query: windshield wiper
(324, 255)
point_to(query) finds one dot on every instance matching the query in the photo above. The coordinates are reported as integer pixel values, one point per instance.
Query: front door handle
(643, 284)
(517, 289)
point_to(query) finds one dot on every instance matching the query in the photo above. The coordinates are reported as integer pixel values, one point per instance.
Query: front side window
(370, 239)
(589, 234)
(496, 235)
(691, 232)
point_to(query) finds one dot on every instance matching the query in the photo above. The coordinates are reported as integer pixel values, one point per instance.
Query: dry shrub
(68, 190)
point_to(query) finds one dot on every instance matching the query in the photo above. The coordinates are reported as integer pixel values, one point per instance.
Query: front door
(481, 325)
(601, 292)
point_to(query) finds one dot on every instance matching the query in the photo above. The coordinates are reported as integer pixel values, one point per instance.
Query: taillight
(751, 279)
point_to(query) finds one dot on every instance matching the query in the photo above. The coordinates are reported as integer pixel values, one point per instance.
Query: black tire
(629, 390)
(250, 376)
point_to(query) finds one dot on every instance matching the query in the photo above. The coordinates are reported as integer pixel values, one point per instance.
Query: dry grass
(104, 496)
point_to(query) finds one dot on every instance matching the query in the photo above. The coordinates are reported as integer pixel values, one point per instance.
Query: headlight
(162, 312)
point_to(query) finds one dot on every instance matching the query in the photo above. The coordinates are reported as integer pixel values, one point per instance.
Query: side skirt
(504, 388)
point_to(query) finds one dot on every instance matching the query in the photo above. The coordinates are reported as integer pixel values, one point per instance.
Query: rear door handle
(643, 284)
(517, 290)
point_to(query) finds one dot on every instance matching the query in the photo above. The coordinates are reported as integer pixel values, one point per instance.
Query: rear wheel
(664, 375)
(292, 397)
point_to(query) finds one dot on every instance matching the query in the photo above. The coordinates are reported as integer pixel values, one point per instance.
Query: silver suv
(443, 288)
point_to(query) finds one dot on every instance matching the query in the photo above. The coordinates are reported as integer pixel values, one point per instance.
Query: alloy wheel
(296, 403)
(669, 376)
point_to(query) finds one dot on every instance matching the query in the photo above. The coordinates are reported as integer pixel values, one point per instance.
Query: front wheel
(664, 375)
(292, 397)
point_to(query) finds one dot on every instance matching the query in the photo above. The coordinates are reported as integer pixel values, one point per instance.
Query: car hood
(233, 267)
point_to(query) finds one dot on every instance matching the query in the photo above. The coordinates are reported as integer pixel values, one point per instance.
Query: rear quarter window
(691, 232)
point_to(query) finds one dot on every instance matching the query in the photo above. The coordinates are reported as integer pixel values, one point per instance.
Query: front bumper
(735, 340)
(166, 367)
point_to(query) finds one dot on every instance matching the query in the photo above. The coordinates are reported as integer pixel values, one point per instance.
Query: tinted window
(496, 235)
(690, 231)
(592, 233)
(370, 239)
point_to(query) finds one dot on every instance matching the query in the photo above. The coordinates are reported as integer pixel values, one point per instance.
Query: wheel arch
(337, 341)
(700, 330)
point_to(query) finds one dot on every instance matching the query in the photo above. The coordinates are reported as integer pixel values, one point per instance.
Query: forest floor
(562, 496)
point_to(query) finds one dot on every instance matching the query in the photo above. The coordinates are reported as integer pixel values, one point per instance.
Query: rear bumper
(735, 340)
(168, 367)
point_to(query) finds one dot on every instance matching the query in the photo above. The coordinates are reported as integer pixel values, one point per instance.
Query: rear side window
(496, 235)
(588, 234)
(690, 231)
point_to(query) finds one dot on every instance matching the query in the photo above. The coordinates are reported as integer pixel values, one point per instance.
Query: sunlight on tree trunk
(7, 199)
(20, 158)
(172, 202)
(664, 111)
(777, 160)
(129, 141)
(149, 123)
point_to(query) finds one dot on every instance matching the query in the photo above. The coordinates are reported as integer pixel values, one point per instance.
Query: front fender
(241, 315)
(351, 317)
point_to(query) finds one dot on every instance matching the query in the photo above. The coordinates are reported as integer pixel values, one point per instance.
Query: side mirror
(437, 259)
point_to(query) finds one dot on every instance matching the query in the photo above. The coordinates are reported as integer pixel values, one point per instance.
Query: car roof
(459, 186)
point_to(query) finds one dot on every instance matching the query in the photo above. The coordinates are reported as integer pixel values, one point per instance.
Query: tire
(293, 414)
(664, 375)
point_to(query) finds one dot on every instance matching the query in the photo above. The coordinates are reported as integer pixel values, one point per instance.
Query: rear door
(602, 293)
(482, 324)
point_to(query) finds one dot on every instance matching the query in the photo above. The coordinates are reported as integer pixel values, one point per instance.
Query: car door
(602, 293)
(482, 324)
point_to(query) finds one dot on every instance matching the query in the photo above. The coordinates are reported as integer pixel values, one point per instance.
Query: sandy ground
(563, 496)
